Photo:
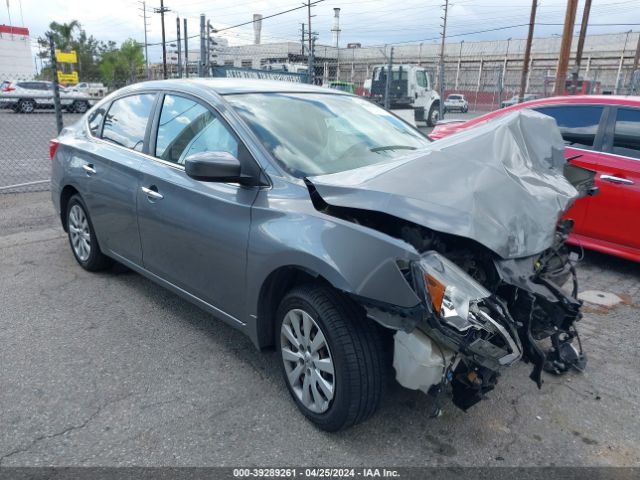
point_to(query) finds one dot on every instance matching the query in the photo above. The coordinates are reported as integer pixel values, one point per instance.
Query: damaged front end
(484, 313)
(482, 210)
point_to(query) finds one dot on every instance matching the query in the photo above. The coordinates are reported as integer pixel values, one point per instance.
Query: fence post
(56, 87)
(387, 83)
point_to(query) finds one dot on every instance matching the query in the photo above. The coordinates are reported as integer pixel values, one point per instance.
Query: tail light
(8, 88)
(53, 146)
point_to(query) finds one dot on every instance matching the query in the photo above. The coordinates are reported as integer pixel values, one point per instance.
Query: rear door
(194, 234)
(113, 163)
(582, 128)
(613, 213)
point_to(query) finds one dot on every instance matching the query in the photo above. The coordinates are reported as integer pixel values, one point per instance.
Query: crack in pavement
(65, 430)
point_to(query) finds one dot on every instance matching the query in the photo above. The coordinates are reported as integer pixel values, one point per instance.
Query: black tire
(26, 106)
(357, 350)
(432, 112)
(80, 106)
(95, 260)
(465, 110)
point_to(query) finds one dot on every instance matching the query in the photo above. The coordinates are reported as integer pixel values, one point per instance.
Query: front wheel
(332, 357)
(434, 115)
(79, 106)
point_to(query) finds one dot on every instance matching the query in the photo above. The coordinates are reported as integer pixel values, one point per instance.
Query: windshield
(315, 134)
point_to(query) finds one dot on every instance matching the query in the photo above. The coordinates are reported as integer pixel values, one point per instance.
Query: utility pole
(186, 49)
(527, 51)
(146, 49)
(441, 79)
(203, 49)
(387, 83)
(565, 46)
(583, 34)
(312, 61)
(309, 23)
(302, 40)
(178, 42)
(162, 10)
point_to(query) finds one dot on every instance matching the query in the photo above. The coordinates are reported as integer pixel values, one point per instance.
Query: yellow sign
(66, 57)
(68, 77)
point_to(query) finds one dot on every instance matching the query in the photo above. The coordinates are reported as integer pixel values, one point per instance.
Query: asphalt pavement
(109, 369)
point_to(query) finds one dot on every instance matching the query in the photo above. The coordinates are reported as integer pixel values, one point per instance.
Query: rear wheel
(82, 237)
(26, 106)
(332, 357)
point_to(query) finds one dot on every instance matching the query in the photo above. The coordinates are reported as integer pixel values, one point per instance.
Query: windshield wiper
(392, 147)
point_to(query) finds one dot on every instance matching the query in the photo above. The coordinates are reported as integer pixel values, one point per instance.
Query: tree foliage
(97, 60)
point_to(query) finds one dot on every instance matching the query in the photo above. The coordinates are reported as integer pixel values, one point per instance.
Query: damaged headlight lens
(454, 294)
(460, 303)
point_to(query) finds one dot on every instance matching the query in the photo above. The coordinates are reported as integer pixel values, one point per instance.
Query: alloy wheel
(79, 233)
(307, 361)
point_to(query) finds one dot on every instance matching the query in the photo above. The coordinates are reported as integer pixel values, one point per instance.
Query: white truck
(410, 88)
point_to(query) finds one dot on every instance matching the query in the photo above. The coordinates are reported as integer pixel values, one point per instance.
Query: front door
(194, 234)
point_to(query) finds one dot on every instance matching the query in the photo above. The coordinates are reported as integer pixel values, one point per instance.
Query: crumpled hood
(500, 184)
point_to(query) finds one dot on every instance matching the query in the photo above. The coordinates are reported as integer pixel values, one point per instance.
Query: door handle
(152, 194)
(614, 179)
(88, 168)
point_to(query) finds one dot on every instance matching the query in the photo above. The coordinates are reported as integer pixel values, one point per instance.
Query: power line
(250, 21)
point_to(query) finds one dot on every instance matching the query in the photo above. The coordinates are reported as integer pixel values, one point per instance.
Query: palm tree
(63, 33)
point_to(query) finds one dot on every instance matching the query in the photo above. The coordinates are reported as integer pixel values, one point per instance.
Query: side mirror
(213, 167)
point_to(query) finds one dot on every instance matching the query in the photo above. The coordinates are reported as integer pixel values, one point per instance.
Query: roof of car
(227, 86)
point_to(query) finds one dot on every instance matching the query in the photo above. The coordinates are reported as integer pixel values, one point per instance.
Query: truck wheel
(80, 106)
(332, 357)
(26, 106)
(434, 115)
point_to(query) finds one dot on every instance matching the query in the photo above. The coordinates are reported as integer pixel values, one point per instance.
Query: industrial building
(15, 53)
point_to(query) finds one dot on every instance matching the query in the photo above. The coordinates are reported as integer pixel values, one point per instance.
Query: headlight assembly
(469, 315)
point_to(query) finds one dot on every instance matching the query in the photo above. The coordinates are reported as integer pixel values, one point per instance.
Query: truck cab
(410, 88)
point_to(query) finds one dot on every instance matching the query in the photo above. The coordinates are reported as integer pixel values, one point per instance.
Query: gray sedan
(324, 226)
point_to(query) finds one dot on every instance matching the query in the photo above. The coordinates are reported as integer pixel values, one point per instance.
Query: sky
(370, 22)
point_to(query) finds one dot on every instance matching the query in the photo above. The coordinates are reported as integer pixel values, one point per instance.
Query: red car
(605, 132)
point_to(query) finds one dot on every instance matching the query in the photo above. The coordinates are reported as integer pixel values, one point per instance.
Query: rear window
(578, 123)
(455, 97)
(126, 121)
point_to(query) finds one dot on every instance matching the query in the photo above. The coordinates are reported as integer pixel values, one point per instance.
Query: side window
(126, 121)
(187, 127)
(626, 135)
(578, 124)
(421, 78)
(95, 120)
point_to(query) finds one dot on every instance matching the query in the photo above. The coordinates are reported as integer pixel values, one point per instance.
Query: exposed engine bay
(497, 283)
